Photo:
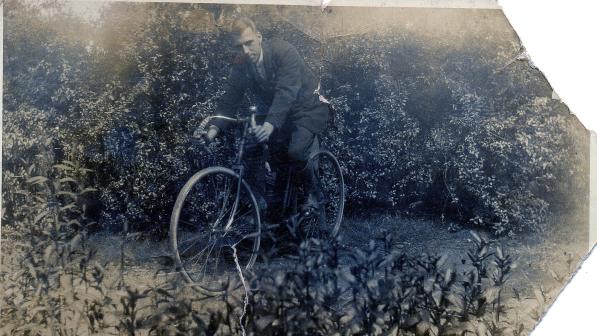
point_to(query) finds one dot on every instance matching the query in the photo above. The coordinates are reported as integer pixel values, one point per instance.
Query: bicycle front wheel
(215, 223)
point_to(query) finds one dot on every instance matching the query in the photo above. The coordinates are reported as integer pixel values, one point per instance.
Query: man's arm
(288, 85)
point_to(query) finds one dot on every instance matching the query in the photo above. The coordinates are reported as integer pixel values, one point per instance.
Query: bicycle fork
(241, 170)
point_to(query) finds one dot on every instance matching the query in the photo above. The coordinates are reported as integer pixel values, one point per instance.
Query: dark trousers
(293, 145)
(288, 147)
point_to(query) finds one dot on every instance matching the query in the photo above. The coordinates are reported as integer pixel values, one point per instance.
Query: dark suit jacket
(287, 90)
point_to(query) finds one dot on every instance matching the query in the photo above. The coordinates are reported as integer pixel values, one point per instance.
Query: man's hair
(239, 25)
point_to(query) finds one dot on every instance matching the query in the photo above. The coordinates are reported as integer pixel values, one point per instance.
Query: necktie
(260, 72)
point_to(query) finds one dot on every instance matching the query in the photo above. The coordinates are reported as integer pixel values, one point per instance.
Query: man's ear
(258, 34)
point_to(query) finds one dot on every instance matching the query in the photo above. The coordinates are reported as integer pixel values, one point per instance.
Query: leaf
(491, 294)
(67, 179)
(67, 193)
(554, 275)
(347, 275)
(539, 295)
(476, 236)
(48, 253)
(62, 166)
(32, 271)
(350, 314)
(482, 329)
(483, 252)
(456, 300)
(428, 284)
(67, 207)
(459, 330)
(499, 252)
(36, 180)
(279, 279)
(264, 322)
(87, 190)
(74, 222)
(437, 297)
(40, 216)
(75, 242)
(393, 331)
(372, 284)
(100, 269)
(21, 192)
(441, 261)
(448, 275)
(426, 329)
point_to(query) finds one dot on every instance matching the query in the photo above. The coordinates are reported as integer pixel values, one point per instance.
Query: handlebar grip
(204, 123)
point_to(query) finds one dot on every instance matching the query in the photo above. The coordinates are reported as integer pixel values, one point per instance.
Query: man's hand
(263, 132)
(208, 136)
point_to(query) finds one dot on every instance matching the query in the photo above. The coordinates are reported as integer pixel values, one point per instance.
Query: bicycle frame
(238, 166)
(240, 169)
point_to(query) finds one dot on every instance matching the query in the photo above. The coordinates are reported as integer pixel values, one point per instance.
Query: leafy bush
(451, 143)
(427, 128)
(50, 261)
(379, 289)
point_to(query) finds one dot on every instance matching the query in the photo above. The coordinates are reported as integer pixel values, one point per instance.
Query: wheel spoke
(217, 261)
(205, 264)
(193, 238)
(223, 209)
(199, 254)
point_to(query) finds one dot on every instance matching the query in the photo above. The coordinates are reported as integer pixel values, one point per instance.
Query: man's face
(249, 44)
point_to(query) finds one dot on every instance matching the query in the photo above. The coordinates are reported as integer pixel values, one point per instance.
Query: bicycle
(216, 221)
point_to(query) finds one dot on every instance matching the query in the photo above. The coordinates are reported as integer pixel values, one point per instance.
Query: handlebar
(250, 119)
(249, 122)
(206, 121)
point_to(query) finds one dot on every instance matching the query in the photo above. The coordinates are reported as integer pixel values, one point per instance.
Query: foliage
(325, 290)
(450, 142)
(426, 129)
(380, 290)
(50, 255)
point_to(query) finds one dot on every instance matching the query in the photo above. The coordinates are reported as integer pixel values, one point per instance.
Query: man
(277, 75)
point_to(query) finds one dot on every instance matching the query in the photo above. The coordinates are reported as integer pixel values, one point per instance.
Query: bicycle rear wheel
(324, 224)
(213, 216)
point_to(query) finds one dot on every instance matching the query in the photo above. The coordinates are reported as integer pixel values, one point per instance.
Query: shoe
(311, 185)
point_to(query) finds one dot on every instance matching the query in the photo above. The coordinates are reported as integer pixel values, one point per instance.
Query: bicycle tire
(194, 218)
(331, 181)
